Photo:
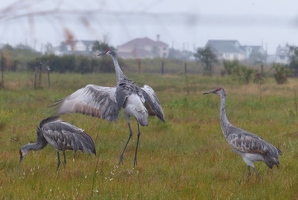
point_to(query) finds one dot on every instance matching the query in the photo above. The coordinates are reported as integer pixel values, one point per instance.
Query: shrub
(230, 66)
(281, 73)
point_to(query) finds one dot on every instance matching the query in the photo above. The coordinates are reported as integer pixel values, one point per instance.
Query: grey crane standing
(250, 146)
(62, 136)
(106, 102)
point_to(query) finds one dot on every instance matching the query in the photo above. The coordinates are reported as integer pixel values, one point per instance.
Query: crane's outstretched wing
(63, 135)
(153, 102)
(97, 101)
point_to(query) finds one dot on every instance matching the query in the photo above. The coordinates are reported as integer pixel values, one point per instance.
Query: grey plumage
(106, 102)
(93, 100)
(61, 136)
(250, 146)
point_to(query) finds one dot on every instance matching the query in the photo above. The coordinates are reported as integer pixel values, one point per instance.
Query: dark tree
(293, 59)
(101, 46)
(105, 63)
(207, 58)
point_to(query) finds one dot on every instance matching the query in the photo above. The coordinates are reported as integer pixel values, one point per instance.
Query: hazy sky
(182, 24)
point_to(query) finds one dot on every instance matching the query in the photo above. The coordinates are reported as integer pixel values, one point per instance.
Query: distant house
(227, 49)
(282, 54)
(233, 50)
(143, 48)
(81, 47)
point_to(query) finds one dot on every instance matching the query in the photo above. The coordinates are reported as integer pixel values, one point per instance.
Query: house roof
(254, 48)
(142, 42)
(225, 46)
(136, 53)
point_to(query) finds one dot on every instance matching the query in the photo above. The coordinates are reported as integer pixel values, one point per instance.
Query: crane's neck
(35, 146)
(224, 122)
(119, 74)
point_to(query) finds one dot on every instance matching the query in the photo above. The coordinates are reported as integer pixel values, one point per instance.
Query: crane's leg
(257, 173)
(135, 158)
(130, 134)
(248, 170)
(64, 162)
(58, 157)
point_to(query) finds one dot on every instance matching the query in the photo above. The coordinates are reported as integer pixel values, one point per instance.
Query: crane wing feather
(153, 102)
(91, 100)
(246, 142)
(63, 135)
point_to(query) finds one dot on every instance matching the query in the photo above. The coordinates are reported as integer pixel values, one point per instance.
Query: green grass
(185, 158)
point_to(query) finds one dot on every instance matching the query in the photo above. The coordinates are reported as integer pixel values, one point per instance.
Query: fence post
(35, 75)
(2, 70)
(139, 67)
(185, 71)
(48, 69)
(40, 69)
(262, 69)
(162, 67)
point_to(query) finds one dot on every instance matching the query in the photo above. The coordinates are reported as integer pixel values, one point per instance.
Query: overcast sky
(183, 24)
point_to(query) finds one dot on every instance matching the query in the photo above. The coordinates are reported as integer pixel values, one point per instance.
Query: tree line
(23, 57)
(207, 57)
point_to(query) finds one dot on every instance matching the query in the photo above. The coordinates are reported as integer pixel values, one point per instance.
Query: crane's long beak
(211, 91)
(102, 53)
(21, 158)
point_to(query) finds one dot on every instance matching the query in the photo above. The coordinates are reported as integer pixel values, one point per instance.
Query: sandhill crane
(250, 146)
(106, 102)
(62, 136)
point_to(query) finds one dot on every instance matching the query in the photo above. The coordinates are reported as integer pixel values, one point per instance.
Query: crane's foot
(64, 163)
(120, 160)
(58, 164)
(257, 173)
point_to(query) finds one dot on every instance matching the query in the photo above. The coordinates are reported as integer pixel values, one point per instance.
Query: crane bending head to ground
(106, 102)
(62, 136)
(248, 145)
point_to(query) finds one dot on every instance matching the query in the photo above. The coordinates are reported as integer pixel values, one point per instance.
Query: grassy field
(185, 158)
